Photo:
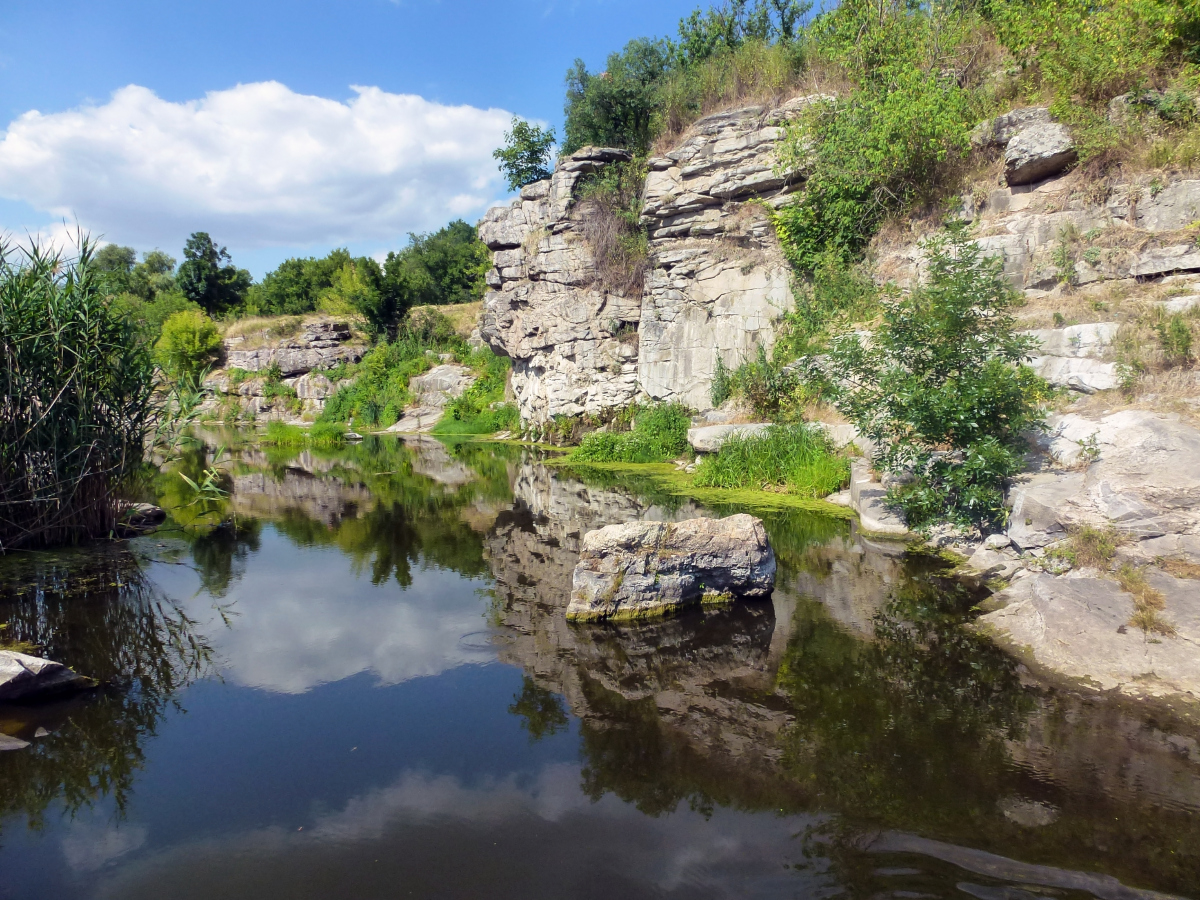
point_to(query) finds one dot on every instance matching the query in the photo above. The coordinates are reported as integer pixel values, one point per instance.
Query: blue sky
(295, 160)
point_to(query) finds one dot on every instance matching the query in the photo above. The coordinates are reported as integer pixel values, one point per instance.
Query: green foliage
(379, 394)
(836, 296)
(438, 269)
(321, 434)
(299, 286)
(765, 383)
(1082, 49)
(655, 84)
(1175, 338)
(659, 433)
(876, 150)
(799, 456)
(208, 278)
(722, 387)
(481, 408)
(77, 407)
(616, 108)
(541, 711)
(526, 155)
(608, 210)
(189, 343)
(941, 388)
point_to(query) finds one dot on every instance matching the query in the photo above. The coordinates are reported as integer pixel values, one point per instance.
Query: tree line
(444, 267)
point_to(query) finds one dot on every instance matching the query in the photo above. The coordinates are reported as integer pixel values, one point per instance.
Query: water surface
(353, 677)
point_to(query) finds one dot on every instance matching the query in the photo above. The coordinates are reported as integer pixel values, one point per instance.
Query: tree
(526, 154)
(188, 345)
(208, 276)
(616, 108)
(941, 387)
(114, 267)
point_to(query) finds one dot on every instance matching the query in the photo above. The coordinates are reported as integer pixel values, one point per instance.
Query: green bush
(481, 408)
(379, 394)
(526, 154)
(941, 387)
(659, 433)
(1175, 337)
(189, 344)
(799, 456)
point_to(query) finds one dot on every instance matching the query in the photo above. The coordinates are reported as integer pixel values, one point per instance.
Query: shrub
(1175, 337)
(76, 408)
(799, 456)
(189, 343)
(659, 433)
(941, 387)
(480, 409)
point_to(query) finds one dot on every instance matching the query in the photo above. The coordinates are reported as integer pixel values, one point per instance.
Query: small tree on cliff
(942, 389)
(526, 154)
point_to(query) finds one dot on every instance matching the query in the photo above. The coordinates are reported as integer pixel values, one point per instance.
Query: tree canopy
(208, 277)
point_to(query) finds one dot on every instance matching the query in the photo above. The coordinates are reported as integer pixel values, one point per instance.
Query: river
(351, 676)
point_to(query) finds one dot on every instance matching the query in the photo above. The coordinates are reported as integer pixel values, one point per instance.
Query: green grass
(480, 409)
(798, 456)
(322, 434)
(659, 433)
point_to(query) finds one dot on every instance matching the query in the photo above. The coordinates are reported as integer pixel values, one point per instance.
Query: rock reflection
(96, 612)
(856, 694)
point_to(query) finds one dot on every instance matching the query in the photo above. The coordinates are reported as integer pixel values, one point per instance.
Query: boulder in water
(30, 677)
(644, 569)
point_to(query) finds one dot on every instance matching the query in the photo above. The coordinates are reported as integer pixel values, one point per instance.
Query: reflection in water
(847, 738)
(96, 611)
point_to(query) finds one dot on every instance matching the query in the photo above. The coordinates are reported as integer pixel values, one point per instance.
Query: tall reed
(76, 406)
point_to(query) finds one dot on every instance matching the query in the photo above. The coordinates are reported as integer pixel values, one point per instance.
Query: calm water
(352, 677)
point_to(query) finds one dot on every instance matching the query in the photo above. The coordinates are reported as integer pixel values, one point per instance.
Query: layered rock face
(321, 345)
(715, 287)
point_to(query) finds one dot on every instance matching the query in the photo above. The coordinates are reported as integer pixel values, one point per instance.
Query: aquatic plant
(76, 405)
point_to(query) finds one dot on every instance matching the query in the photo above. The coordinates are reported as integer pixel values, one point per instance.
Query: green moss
(716, 598)
(627, 615)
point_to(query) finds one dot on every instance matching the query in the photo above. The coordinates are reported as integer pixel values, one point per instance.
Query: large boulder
(644, 569)
(30, 677)
(999, 131)
(1037, 153)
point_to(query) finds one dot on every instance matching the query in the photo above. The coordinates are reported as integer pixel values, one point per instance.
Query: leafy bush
(379, 394)
(1175, 337)
(1092, 51)
(941, 387)
(799, 456)
(526, 154)
(837, 295)
(876, 150)
(480, 409)
(189, 343)
(659, 433)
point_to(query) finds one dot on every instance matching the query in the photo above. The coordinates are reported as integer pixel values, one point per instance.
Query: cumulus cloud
(257, 165)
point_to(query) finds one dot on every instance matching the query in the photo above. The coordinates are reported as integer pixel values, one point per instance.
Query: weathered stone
(1087, 376)
(710, 438)
(1038, 152)
(29, 677)
(441, 384)
(1039, 508)
(650, 568)
(1089, 340)
(1079, 627)
(869, 499)
(997, 132)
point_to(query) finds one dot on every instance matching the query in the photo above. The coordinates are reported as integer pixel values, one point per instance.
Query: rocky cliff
(716, 282)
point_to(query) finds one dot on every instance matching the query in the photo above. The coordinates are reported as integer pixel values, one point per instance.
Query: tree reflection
(96, 612)
(541, 711)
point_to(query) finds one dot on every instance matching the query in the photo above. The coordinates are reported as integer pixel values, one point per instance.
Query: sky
(281, 128)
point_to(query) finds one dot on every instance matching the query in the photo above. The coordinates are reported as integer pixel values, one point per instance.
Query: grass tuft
(798, 456)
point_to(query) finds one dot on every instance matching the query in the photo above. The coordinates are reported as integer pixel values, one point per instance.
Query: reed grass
(796, 456)
(76, 407)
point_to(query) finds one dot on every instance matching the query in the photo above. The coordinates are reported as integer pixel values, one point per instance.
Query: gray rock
(8, 742)
(1039, 508)
(869, 499)
(1087, 376)
(29, 677)
(1037, 153)
(1090, 340)
(999, 131)
(650, 568)
(710, 438)
(1079, 627)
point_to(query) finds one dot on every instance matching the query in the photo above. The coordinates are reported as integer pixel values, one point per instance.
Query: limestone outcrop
(716, 280)
(432, 392)
(321, 345)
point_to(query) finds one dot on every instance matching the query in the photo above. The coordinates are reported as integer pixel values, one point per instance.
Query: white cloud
(256, 165)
